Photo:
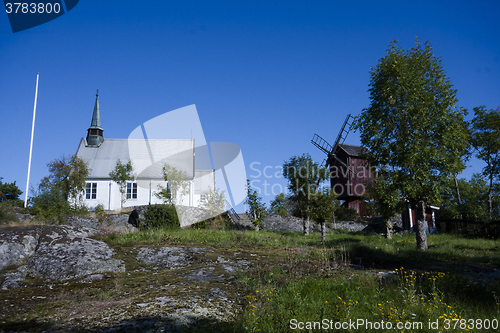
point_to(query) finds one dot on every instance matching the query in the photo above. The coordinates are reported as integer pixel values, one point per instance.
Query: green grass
(304, 281)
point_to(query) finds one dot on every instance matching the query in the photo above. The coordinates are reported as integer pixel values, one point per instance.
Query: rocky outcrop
(70, 282)
(110, 222)
(54, 253)
(278, 222)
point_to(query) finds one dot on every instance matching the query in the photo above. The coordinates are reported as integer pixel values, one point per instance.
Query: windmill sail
(330, 151)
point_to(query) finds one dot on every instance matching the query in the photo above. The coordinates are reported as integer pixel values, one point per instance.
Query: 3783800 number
(471, 324)
(32, 8)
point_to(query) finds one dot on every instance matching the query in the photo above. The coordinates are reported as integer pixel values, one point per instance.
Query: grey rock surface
(278, 222)
(112, 222)
(165, 257)
(54, 252)
(291, 223)
(17, 244)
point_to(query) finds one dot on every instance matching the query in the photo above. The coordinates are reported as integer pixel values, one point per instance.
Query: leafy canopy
(304, 180)
(67, 175)
(177, 185)
(474, 195)
(121, 174)
(257, 207)
(65, 183)
(486, 142)
(9, 192)
(412, 123)
(215, 201)
(279, 205)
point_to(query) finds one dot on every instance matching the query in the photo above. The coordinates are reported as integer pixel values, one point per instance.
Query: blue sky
(263, 75)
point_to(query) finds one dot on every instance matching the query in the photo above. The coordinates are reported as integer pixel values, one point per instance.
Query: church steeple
(94, 133)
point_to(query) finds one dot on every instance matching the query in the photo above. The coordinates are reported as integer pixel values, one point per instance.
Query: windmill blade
(341, 162)
(322, 144)
(343, 133)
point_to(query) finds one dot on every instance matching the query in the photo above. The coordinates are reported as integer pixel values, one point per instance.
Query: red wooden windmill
(350, 172)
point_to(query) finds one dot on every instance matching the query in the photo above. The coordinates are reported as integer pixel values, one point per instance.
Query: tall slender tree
(304, 180)
(486, 142)
(177, 185)
(257, 207)
(121, 174)
(413, 126)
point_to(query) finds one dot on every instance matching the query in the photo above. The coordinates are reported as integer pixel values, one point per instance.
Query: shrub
(49, 203)
(7, 216)
(161, 216)
(346, 214)
(100, 213)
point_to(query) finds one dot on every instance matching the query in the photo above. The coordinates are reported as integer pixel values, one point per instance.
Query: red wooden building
(349, 181)
(409, 218)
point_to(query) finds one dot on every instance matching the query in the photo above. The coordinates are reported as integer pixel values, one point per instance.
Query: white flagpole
(31, 145)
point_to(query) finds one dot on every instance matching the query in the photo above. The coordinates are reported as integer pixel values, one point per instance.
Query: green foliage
(486, 142)
(7, 216)
(177, 185)
(214, 202)
(385, 199)
(413, 127)
(121, 174)
(161, 216)
(346, 214)
(67, 175)
(304, 179)
(100, 213)
(474, 196)
(217, 222)
(257, 207)
(49, 203)
(9, 194)
(280, 205)
(62, 191)
(323, 205)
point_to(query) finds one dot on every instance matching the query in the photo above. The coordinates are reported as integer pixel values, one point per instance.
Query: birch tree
(413, 126)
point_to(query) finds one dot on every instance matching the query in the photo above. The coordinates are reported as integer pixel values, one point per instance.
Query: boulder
(54, 252)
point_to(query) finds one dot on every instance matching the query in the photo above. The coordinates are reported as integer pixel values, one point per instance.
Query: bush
(7, 216)
(49, 204)
(346, 214)
(161, 216)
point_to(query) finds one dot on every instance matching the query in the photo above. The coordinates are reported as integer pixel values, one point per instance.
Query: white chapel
(102, 155)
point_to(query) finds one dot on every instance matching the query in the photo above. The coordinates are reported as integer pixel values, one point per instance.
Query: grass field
(355, 281)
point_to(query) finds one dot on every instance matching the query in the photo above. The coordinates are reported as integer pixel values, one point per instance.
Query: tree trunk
(490, 209)
(306, 227)
(421, 225)
(323, 232)
(458, 197)
(388, 229)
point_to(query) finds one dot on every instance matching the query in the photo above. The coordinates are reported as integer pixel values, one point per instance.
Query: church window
(91, 191)
(131, 190)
